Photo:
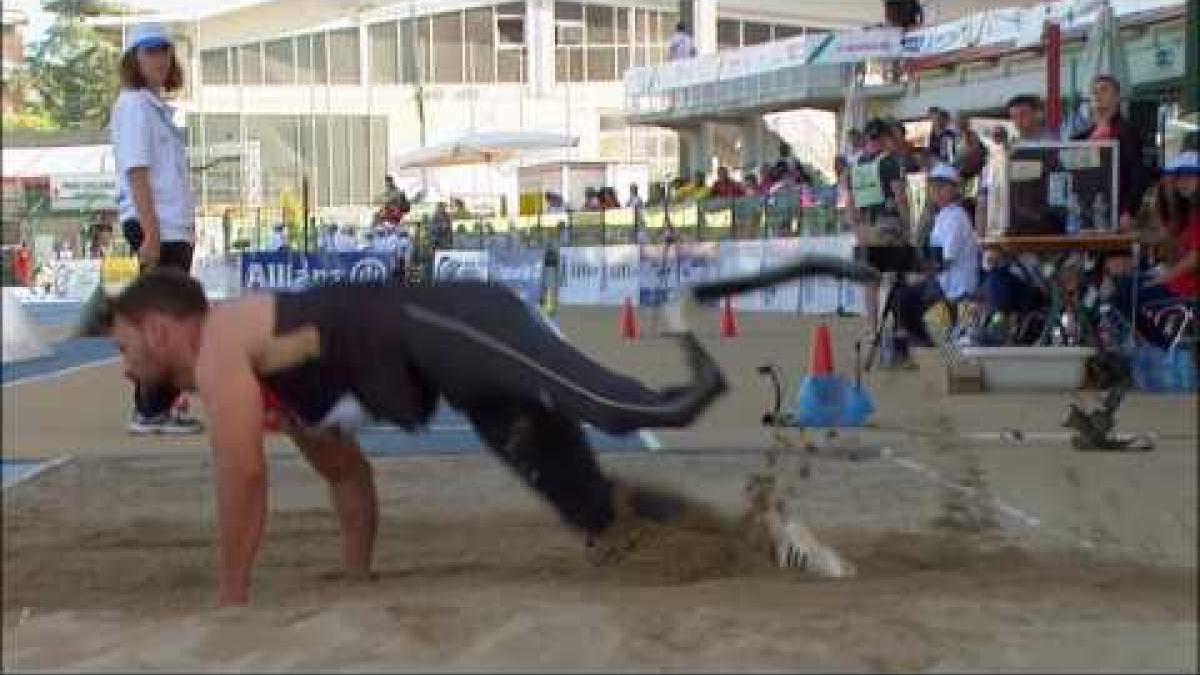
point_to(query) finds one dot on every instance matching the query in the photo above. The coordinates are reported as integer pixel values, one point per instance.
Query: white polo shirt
(143, 135)
(952, 231)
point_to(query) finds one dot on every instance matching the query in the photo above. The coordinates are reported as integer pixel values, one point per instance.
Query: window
(510, 23)
(280, 62)
(384, 67)
(755, 33)
(481, 47)
(251, 58)
(447, 38)
(320, 58)
(729, 34)
(511, 55)
(785, 32)
(414, 50)
(601, 28)
(214, 66)
(304, 62)
(343, 56)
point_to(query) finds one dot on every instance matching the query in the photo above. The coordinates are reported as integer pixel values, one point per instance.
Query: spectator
(1179, 280)
(896, 143)
(942, 137)
(328, 239)
(1108, 124)
(725, 187)
(636, 203)
(970, 155)
(392, 196)
(1027, 114)
(879, 207)
(608, 199)
(347, 240)
(277, 241)
(681, 44)
(441, 226)
(957, 274)
(591, 199)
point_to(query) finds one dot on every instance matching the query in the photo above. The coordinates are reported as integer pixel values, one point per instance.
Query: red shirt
(1188, 285)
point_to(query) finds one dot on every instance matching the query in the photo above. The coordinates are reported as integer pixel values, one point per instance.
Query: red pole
(1053, 76)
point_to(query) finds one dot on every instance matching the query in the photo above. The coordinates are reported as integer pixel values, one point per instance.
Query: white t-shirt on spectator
(681, 46)
(144, 135)
(952, 232)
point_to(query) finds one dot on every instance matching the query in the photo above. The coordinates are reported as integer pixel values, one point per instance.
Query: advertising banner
(519, 269)
(452, 265)
(295, 271)
(598, 275)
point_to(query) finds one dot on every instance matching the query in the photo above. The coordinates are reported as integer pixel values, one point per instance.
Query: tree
(73, 75)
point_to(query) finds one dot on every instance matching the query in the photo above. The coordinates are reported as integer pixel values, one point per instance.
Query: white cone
(23, 339)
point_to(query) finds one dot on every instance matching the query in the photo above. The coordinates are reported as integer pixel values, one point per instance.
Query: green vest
(865, 184)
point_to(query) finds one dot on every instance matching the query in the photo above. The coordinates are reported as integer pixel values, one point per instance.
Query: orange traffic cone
(629, 321)
(821, 358)
(729, 327)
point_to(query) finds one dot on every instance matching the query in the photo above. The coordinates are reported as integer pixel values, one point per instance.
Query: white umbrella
(1104, 54)
(483, 148)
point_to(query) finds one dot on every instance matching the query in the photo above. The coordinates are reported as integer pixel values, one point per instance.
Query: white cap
(1184, 164)
(147, 35)
(944, 172)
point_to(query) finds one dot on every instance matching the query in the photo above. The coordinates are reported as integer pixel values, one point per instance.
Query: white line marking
(1017, 437)
(650, 440)
(911, 465)
(37, 471)
(60, 373)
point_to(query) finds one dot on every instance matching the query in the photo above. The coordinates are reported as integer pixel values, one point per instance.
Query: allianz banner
(598, 275)
(277, 270)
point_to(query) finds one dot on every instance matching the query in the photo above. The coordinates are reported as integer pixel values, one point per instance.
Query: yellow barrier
(118, 270)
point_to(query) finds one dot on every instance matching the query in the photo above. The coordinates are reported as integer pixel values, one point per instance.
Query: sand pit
(109, 565)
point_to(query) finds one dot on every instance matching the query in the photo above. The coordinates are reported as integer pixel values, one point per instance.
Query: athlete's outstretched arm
(339, 460)
(230, 392)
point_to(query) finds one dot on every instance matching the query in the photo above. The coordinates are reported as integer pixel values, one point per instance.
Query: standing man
(1108, 124)
(879, 202)
(942, 139)
(1027, 114)
(155, 201)
(681, 45)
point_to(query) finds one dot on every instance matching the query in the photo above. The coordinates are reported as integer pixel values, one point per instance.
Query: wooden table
(1108, 241)
(1103, 242)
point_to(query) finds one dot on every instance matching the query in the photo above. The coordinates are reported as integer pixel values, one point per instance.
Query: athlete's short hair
(165, 291)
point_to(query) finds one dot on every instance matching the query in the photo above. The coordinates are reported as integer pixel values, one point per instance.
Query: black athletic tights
(157, 400)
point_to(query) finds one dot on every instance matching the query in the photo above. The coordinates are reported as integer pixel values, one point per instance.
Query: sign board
(295, 271)
(83, 191)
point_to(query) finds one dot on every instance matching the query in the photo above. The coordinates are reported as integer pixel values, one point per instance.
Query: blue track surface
(67, 354)
(12, 471)
(450, 434)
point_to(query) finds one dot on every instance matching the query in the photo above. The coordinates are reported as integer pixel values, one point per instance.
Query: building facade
(303, 89)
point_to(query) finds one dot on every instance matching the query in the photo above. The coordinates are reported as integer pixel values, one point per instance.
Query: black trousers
(157, 400)
(528, 392)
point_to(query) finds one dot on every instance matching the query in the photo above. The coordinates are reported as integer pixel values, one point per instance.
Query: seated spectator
(608, 199)
(1179, 279)
(971, 154)
(725, 187)
(957, 274)
(591, 199)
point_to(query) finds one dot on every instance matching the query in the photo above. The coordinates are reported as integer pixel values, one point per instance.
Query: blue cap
(147, 35)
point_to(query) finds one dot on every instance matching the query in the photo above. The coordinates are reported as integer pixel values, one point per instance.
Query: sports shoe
(167, 423)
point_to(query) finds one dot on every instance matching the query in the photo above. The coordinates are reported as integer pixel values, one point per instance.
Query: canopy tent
(483, 148)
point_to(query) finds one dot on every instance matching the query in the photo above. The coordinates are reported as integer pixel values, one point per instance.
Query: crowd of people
(961, 170)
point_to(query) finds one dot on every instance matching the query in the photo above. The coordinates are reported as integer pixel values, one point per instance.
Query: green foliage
(72, 76)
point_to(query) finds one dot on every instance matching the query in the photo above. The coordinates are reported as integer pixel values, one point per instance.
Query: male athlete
(334, 357)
